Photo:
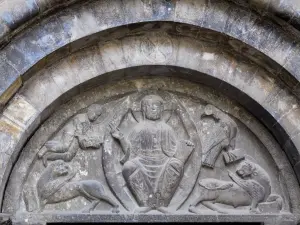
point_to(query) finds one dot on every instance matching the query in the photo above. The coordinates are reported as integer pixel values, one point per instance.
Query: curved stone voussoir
(82, 21)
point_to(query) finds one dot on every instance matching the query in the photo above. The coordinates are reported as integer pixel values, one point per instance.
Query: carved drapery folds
(151, 152)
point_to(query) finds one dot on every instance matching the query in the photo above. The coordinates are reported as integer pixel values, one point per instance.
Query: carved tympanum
(250, 186)
(151, 159)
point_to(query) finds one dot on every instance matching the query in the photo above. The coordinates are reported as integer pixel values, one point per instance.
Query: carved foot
(44, 160)
(163, 210)
(193, 209)
(115, 209)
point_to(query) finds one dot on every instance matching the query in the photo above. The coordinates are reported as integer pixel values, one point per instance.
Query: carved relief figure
(154, 159)
(55, 186)
(224, 140)
(76, 134)
(251, 185)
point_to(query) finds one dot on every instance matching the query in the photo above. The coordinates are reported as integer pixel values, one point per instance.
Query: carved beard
(152, 115)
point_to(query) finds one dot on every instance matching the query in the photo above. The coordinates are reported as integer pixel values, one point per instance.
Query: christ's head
(152, 107)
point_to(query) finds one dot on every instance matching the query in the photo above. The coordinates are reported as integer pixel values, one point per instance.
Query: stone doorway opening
(227, 223)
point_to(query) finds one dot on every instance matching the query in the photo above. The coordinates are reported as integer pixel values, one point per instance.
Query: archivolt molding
(80, 22)
(17, 15)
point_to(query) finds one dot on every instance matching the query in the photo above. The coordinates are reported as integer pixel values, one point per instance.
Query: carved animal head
(246, 169)
(60, 168)
(212, 111)
(94, 111)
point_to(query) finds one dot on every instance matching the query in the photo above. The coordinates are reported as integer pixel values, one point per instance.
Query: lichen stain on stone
(266, 83)
(10, 129)
(283, 105)
(78, 29)
(139, 84)
(83, 172)
(6, 142)
(208, 56)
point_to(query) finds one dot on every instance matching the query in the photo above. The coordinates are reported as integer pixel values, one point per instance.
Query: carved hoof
(192, 209)
(86, 210)
(163, 210)
(254, 211)
(115, 209)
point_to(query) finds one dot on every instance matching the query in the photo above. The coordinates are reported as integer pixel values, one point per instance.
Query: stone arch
(86, 55)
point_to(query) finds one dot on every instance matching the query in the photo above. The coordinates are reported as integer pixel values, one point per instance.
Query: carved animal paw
(115, 210)
(254, 211)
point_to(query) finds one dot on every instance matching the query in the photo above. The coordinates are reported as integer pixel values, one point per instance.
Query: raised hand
(189, 143)
(115, 132)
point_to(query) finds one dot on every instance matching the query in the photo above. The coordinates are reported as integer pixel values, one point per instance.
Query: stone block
(50, 35)
(108, 13)
(24, 52)
(63, 75)
(192, 11)
(86, 64)
(17, 13)
(292, 62)
(20, 111)
(9, 92)
(112, 56)
(79, 22)
(136, 11)
(10, 134)
(8, 75)
(37, 90)
(280, 101)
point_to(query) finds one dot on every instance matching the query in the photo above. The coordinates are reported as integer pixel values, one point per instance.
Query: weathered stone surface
(103, 141)
(165, 49)
(20, 112)
(9, 92)
(87, 158)
(14, 15)
(5, 219)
